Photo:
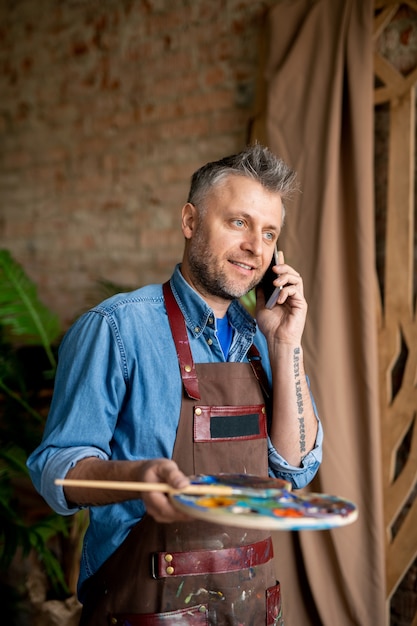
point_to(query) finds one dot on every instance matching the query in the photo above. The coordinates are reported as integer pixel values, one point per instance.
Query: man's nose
(254, 243)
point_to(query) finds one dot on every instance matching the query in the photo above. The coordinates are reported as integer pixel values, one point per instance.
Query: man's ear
(189, 218)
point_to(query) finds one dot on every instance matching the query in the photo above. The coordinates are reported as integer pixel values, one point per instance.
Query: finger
(165, 470)
(177, 479)
(293, 291)
(162, 510)
(288, 268)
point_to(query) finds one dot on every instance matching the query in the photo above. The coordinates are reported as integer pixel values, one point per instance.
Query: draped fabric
(319, 118)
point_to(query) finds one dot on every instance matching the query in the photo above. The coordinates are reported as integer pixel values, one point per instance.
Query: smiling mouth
(243, 265)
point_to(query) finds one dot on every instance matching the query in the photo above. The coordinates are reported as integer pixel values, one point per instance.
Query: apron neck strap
(255, 361)
(179, 334)
(187, 367)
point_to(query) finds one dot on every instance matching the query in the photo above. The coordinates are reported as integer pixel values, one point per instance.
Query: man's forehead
(247, 200)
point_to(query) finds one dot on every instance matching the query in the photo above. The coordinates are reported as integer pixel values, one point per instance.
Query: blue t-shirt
(224, 334)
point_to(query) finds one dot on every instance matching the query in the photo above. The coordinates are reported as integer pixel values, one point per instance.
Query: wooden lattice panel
(397, 327)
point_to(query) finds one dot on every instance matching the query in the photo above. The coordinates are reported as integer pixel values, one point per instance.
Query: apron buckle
(154, 566)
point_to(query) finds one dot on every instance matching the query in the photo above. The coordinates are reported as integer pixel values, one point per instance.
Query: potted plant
(39, 550)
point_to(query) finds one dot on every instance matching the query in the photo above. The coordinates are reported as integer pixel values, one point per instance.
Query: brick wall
(106, 109)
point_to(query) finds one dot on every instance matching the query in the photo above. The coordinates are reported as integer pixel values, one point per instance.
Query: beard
(207, 273)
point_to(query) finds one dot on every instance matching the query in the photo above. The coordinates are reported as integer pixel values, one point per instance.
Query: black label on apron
(222, 427)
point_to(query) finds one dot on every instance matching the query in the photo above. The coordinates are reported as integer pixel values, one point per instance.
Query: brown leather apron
(193, 573)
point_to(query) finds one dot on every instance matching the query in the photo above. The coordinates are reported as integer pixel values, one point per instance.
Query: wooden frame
(397, 327)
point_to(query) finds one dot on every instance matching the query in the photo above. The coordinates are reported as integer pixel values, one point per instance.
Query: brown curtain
(319, 118)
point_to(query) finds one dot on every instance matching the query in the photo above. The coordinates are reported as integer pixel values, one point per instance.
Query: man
(140, 379)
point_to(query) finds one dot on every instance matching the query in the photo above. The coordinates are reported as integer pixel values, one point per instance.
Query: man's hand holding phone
(288, 319)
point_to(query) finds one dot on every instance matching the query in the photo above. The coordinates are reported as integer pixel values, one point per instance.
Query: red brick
(107, 109)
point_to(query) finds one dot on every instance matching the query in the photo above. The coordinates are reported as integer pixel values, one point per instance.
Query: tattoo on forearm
(300, 402)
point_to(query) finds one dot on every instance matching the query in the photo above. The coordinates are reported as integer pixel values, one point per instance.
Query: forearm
(294, 424)
(92, 468)
(152, 471)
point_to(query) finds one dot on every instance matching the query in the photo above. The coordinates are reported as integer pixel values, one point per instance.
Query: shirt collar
(198, 314)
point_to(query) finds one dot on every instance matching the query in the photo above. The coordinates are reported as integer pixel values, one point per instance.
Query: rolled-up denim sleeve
(57, 465)
(298, 476)
(83, 411)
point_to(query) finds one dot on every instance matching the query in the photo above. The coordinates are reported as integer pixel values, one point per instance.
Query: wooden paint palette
(258, 503)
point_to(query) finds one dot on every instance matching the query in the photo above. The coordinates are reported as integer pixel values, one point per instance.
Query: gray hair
(256, 162)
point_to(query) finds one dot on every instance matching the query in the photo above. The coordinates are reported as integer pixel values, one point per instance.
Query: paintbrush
(191, 489)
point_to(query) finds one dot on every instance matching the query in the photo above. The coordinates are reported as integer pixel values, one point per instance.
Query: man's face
(230, 245)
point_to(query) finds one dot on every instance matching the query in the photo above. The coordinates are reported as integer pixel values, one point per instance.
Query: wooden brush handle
(213, 490)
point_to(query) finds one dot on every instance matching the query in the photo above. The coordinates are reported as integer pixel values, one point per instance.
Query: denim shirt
(118, 395)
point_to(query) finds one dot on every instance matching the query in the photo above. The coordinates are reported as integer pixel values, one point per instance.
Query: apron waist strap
(195, 562)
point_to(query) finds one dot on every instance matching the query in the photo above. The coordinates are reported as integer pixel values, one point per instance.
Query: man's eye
(239, 223)
(269, 236)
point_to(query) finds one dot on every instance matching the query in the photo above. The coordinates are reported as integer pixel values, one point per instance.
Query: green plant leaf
(21, 312)
(249, 302)
(15, 458)
(25, 321)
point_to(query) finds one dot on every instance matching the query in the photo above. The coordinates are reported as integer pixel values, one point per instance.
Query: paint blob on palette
(254, 502)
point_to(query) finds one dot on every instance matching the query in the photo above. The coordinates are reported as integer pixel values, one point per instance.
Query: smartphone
(270, 291)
